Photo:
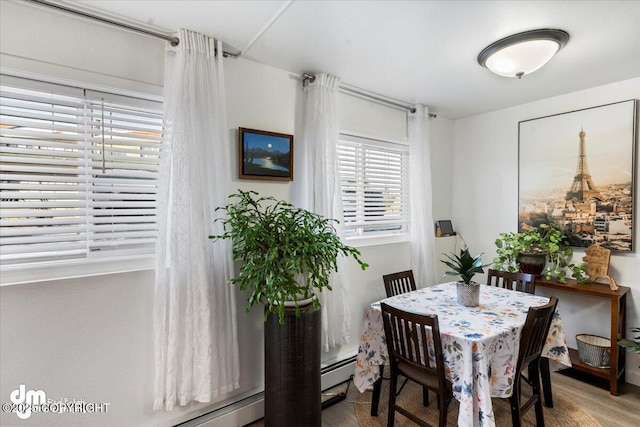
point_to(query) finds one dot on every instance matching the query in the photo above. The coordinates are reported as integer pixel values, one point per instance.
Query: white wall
(91, 338)
(485, 202)
(40, 41)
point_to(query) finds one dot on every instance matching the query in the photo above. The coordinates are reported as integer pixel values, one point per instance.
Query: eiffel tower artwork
(583, 189)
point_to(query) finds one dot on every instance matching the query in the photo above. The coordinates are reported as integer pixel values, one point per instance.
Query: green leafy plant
(464, 265)
(548, 239)
(631, 345)
(288, 253)
(508, 247)
(536, 240)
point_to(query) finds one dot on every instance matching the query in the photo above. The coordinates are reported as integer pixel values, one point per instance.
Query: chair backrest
(415, 340)
(534, 333)
(399, 283)
(523, 282)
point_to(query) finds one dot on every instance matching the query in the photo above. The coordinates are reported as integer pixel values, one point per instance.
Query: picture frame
(265, 155)
(577, 170)
(444, 228)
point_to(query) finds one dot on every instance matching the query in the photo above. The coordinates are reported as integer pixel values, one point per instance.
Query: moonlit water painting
(266, 154)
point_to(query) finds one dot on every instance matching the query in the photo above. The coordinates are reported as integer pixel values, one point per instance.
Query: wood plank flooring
(592, 394)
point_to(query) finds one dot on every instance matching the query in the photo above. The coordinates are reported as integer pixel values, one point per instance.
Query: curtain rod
(311, 78)
(174, 40)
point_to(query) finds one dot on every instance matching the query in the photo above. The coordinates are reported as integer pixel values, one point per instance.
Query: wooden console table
(618, 298)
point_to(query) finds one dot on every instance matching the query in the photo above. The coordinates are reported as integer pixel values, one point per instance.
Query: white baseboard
(252, 408)
(237, 414)
(338, 373)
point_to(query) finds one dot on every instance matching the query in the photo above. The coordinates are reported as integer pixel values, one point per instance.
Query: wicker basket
(594, 350)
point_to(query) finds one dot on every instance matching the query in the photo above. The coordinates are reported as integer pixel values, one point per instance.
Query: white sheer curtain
(422, 225)
(320, 138)
(194, 305)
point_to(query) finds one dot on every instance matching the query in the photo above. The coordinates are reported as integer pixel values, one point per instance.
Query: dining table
(480, 344)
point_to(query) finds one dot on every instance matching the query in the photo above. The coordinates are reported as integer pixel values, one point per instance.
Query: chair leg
(534, 377)
(392, 400)
(515, 410)
(375, 399)
(546, 382)
(539, 413)
(514, 401)
(442, 407)
(425, 397)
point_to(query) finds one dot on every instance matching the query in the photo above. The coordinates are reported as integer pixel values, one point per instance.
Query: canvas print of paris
(576, 170)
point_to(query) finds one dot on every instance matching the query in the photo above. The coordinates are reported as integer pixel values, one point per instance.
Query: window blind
(375, 190)
(78, 173)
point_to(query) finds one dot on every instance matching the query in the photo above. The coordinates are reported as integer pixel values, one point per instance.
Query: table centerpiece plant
(465, 266)
(547, 242)
(288, 253)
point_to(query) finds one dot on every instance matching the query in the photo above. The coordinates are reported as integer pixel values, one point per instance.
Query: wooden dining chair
(408, 336)
(396, 284)
(522, 282)
(532, 340)
(399, 283)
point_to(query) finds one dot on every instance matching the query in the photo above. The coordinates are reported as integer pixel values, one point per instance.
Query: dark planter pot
(292, 394)
(532, 263)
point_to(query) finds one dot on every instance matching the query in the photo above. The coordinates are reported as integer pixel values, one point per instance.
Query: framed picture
(265, 155)
(577, 170)
(444, 228)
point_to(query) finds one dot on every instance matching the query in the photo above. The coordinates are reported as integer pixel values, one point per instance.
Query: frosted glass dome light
(522, 53)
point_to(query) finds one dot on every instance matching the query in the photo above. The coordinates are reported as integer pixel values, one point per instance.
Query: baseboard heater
(251, 408)
(335, 374)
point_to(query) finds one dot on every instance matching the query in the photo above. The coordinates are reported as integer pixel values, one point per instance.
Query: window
(375, 186)
(78, 171)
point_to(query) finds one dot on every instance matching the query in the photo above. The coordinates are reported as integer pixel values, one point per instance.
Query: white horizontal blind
(375, 188)
(77, 174)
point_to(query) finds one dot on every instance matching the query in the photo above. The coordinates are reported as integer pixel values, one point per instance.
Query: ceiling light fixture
(522, 53)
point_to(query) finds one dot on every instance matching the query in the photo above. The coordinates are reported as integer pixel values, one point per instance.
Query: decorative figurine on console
(597, 259)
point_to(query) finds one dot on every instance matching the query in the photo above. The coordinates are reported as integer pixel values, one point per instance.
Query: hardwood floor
(592, 394)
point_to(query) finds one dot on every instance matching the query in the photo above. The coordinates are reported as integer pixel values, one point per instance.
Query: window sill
(71, 269)
(359, 241)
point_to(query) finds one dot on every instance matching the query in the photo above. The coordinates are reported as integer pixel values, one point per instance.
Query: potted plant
(465, 266)
(526, 251)
(531, 250)
(631, 345)
(287, 255)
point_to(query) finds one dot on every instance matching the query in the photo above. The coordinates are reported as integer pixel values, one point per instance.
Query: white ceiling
(414, 51)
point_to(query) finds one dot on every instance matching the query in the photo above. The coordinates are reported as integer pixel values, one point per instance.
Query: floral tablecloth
(480, 344)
